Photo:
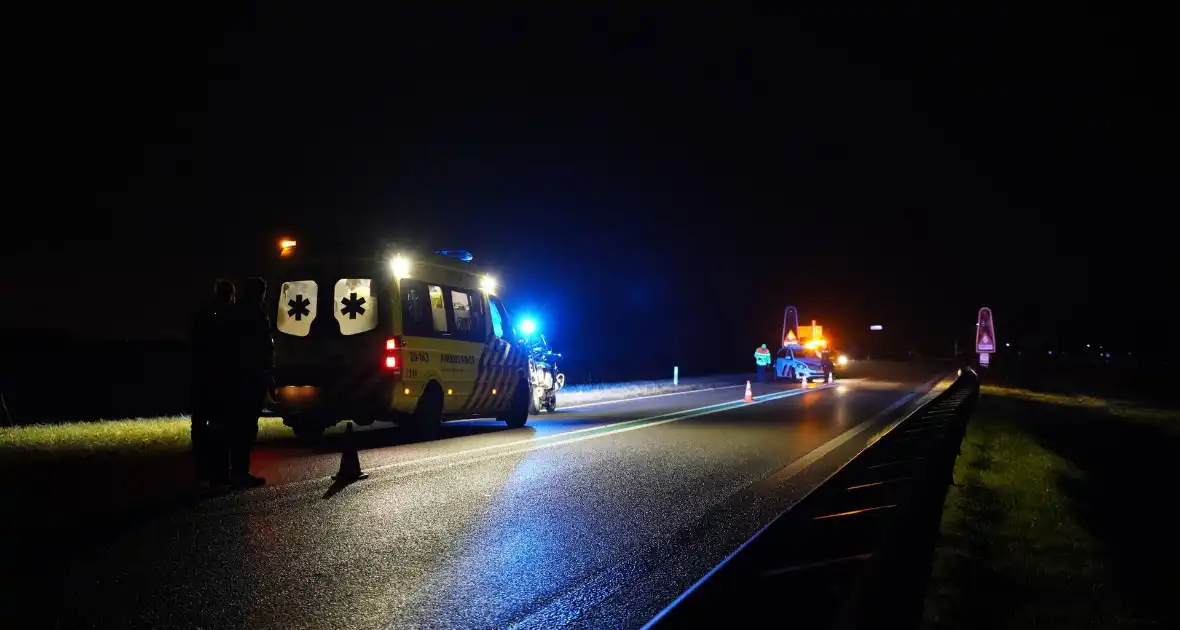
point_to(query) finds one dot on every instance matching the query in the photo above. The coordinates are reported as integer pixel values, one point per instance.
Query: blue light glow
(528, 326)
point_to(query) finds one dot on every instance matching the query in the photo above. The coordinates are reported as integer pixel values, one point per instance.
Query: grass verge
(120, 438)
(1057, 517)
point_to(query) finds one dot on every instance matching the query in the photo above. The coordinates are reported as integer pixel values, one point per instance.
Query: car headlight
(842, 360)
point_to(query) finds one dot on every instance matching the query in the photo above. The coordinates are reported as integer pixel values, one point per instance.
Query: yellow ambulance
(412, 338)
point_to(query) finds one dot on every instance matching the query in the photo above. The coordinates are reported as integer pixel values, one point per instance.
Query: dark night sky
(663, 179)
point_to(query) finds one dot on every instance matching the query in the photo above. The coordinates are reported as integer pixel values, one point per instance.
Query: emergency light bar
(457, 254)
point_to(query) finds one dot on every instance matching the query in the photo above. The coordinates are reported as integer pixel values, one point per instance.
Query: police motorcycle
(544, 376)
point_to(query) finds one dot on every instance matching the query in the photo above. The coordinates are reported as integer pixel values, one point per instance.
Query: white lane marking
(792, 470)
(687, 391)
(692, 413)
(622, 400)
(548, 437)
(641, 423)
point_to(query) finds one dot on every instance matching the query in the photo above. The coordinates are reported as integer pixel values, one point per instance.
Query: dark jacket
(254, 349)
(211, 346)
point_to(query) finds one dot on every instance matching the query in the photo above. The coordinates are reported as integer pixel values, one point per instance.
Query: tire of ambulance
(518, 410)
(307, 430)
(427, 417)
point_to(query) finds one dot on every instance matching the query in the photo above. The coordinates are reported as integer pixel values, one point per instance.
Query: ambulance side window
(498, 317)
(467, 310)
(423, 311)
(438, 309)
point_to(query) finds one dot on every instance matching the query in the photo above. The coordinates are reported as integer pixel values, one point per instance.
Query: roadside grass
(1059, 516)
(121, 438)
(1122, 409)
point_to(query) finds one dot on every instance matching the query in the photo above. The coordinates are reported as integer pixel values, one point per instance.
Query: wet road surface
(589, 517)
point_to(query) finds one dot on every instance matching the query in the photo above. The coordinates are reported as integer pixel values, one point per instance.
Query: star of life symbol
(353, 306)
(299, 306)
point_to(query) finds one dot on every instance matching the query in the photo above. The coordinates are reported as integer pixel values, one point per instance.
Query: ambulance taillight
(393, 346)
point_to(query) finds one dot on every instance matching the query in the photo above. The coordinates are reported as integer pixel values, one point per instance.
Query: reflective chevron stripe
(500, 363)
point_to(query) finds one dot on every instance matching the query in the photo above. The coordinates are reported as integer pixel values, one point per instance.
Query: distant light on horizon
(876, 327)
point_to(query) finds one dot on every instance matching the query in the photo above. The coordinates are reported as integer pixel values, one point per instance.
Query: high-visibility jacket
(762, 356)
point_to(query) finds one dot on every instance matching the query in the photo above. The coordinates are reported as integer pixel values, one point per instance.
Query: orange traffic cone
(749, 394)
(350, 461)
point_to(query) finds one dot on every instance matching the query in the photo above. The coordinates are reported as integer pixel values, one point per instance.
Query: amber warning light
(286, 246)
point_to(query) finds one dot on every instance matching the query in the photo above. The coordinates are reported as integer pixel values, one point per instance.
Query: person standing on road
(251, 379)
(762, 362)
(209, 345)
(826, 363)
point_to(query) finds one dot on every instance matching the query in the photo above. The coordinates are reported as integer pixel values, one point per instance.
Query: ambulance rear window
(327, 298)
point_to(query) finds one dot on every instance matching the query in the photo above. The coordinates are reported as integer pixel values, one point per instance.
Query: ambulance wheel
(518, 411)
(428, 414)
(308, 430)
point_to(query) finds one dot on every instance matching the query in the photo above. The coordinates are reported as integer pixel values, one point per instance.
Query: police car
(412, 338)
(797, 361)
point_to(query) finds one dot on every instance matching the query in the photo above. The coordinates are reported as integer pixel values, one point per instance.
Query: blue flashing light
(457, 254)
(527, 327)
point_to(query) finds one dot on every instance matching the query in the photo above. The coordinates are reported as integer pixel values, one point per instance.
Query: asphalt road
(594, 516)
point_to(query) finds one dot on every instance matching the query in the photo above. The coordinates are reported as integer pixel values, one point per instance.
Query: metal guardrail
(855, 552)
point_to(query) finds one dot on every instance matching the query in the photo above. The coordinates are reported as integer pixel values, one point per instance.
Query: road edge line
(928, 387)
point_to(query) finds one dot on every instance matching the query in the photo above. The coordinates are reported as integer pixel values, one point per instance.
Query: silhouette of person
(252, 377)
(208, 338)
(826, 362)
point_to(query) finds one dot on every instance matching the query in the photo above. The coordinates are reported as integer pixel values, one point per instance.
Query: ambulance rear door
(329, 331)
